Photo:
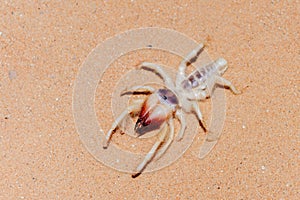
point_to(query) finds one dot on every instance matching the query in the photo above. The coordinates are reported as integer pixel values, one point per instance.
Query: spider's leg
(164, 148)
(181, 117)
(190, 58)
(197, 110)
(151, 153)
(158, 69)
(222, 81)
(138, 88)
(136, 107)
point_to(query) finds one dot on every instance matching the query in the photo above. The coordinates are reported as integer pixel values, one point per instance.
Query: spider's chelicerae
(172, 101)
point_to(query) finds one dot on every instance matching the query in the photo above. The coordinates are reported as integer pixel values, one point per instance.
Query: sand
(43, 47)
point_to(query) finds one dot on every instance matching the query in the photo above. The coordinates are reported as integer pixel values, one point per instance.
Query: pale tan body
(188, 90)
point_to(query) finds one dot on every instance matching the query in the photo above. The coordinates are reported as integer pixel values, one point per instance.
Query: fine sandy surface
(43, 46)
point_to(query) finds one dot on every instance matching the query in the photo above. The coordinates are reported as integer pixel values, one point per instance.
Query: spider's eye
(164, 97)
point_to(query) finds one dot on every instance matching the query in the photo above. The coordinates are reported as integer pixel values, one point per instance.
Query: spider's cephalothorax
(174, 100)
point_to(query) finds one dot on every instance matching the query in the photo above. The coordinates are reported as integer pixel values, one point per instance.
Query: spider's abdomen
(199, 76)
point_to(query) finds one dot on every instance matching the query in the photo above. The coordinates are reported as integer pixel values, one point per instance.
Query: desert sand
(43, 47)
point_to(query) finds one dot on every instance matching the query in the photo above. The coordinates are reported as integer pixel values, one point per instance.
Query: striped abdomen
(199, 76)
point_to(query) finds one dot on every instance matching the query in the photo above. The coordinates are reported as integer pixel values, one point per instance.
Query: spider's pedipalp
(133, 108)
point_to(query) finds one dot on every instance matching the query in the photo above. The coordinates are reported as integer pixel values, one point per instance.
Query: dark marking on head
(168, 96)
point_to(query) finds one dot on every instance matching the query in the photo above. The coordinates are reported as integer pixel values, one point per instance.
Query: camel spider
(172, 101)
